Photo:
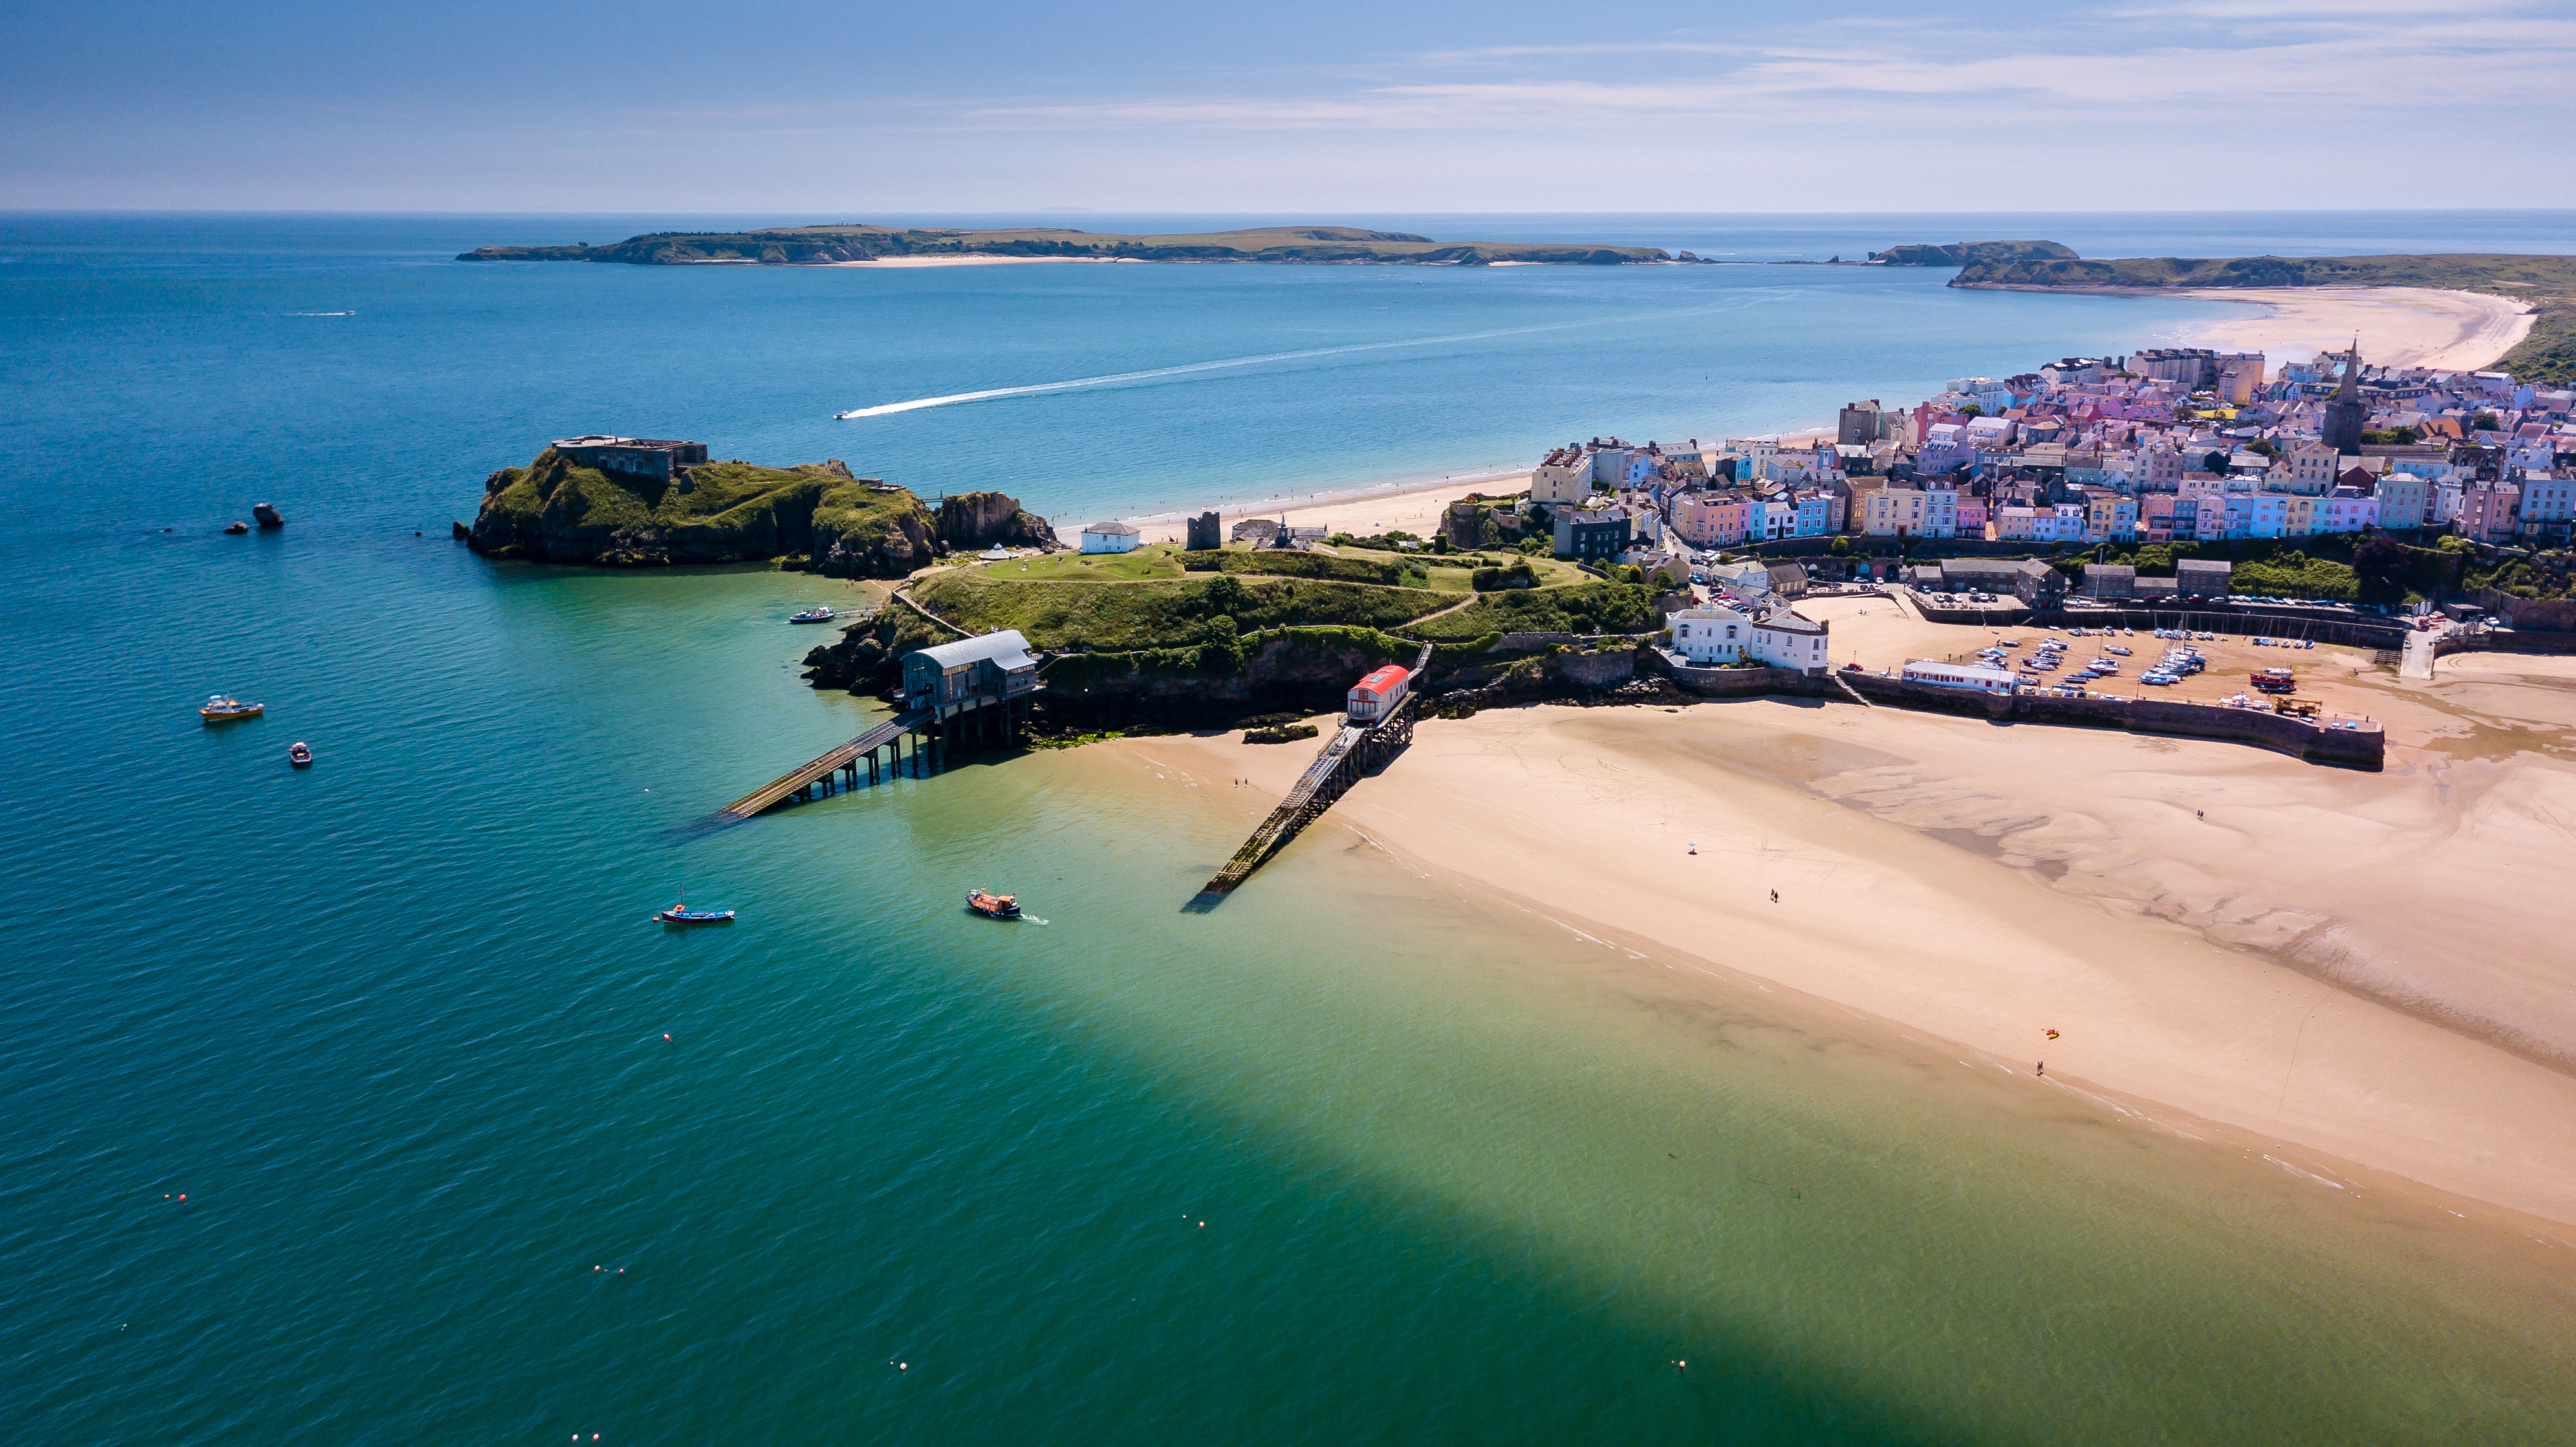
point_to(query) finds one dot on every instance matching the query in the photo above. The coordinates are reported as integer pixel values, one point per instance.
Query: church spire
(2351, 372)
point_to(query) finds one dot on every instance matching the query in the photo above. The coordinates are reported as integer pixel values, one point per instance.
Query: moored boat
(223, 708)
(300, 754)
(819, 613)
(680, 913)
(993, 906)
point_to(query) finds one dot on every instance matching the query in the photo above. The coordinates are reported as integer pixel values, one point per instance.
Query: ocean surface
(364, 1104)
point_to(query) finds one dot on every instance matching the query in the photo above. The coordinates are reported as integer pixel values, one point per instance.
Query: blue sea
(363, 1104)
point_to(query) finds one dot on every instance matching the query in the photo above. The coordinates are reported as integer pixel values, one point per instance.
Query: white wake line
(1114, 378)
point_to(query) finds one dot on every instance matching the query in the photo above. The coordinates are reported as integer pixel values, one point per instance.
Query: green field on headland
(2547, 282)
(829, 245)
(1158, 612)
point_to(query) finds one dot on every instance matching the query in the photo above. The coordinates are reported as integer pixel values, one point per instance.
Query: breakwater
(2352, 745)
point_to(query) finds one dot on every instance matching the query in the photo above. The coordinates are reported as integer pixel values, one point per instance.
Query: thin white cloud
(2375, 57)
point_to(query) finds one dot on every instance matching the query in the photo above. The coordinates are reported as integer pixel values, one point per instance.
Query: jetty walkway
(1354, 752)
(975, 691)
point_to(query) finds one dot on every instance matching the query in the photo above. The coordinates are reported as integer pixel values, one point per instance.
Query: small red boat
(993, 906)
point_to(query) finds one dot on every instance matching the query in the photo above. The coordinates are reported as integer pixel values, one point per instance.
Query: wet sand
(2361, 966)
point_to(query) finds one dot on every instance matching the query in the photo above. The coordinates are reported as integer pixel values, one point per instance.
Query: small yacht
(223, 708)
(819, 613)
(300, 754)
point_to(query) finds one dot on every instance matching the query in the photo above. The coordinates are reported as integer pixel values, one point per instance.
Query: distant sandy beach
(2233, 946)
(2398, 325)
(901, 262)
(1413, 507)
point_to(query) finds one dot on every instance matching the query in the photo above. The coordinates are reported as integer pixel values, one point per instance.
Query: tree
(1972, 410)
(1842, 546)
(2487, 422)
(2381, 564)
(1225, 594)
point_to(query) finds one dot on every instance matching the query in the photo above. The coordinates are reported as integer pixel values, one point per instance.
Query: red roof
(1383, 681)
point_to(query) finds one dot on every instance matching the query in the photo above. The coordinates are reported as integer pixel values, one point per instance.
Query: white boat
(819, 613)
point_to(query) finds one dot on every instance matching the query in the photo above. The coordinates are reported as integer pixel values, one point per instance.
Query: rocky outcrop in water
(554, 511)
(982, 519)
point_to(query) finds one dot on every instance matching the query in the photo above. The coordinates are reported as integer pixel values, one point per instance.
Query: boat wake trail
(1114, 379)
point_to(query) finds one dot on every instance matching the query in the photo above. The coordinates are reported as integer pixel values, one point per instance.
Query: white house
(1713, 633)
(1783, 639)
(1110, 537)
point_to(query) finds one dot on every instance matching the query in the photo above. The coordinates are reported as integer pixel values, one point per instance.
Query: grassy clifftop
(723, 512)
(2547, 282)
(1161, 612)
(822, 245)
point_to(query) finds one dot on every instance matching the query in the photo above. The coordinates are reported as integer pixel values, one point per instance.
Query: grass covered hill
(1161, 612)
(824, 245)
(1583, 608)
(552, 511)
(2547, 282)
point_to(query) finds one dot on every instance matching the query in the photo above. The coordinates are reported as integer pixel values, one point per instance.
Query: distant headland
(2547, 284)
(849, 245)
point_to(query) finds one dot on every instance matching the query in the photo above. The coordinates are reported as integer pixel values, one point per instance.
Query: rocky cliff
(552, 511)
(981, 519)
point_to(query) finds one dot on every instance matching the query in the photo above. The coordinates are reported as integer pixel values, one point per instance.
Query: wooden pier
(1353, 753)
(972, 693)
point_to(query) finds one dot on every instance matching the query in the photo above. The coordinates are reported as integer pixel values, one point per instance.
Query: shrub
(1282, 563)
(1496, 580)
(1283, 734)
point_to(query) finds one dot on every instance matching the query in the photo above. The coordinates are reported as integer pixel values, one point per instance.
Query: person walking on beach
(2043, 1068)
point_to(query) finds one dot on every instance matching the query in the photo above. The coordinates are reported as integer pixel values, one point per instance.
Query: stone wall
(2350, 748)
(2517, 642)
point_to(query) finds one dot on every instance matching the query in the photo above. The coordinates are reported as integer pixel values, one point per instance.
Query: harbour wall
(2353, 748)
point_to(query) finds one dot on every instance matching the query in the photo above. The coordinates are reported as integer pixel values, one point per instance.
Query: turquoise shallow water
(394, 1026)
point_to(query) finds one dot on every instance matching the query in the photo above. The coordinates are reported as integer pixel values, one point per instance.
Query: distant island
(2547, 283)
(844, 245)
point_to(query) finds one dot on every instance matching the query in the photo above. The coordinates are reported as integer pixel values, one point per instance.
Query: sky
(1321, 105)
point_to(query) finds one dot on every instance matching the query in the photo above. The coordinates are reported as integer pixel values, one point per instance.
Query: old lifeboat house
(974, 689)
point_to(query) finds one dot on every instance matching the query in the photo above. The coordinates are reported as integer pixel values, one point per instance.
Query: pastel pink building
(1710, 519)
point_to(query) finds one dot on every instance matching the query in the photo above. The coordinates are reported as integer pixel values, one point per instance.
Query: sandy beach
(2397, 325)
(912, 261)
(1412, 507)
(2228, 941)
